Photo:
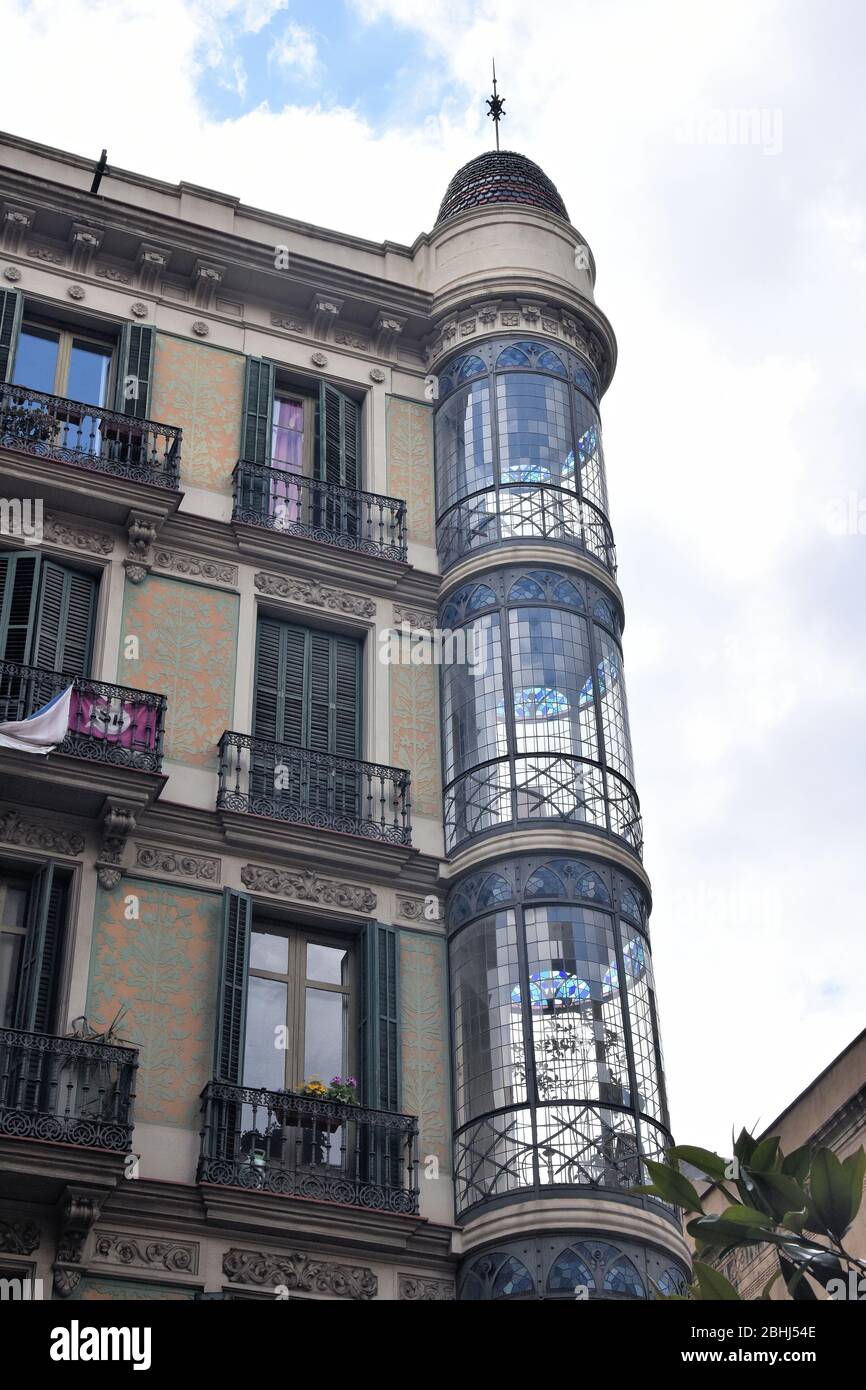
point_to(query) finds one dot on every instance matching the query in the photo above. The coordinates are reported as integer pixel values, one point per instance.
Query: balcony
(360, 523)
(294, 1146)
(107, 723)
(519, 512)
(322, 790)
(66, 1091)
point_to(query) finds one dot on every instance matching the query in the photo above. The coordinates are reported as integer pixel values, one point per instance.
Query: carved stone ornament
(117, 825)
(138, 310)
(292, 325)
(32, 835)
(77, 292)
(297, 1271)
(142, 533)
(79, 1214)
(376, 374)
(309, 887)
(175, 1256)
(411, 909)
(161, 859)
(76, 537)
(135, 573)
(311, 591)
(200, 328)
(415, 618)
(195, 567)
(414, 1289)
(117, 277)
(319, 359)
(12, 273)
(19, 1237)
(45, 253)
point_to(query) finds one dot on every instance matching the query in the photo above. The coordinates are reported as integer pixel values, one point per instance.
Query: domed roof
(500, 176)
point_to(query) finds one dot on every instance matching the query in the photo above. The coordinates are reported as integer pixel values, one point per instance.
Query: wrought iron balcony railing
(107, 723)
(89, 436)
(66, 1090)
(524, 512)
(295, 1146)
(263, 778)
(346, 517)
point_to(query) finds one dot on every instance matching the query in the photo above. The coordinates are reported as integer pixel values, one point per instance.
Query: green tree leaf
(830, 1190)
(673, 1187)
(855, 1169)
(714, 1285)
(796, 1164)
(703, 1159)
(764, 1155)
(797, 1284)
(744, 1146)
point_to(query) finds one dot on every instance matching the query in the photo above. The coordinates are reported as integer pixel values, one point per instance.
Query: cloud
(295, 50)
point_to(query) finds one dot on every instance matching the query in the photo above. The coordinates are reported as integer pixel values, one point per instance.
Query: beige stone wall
(201, 389)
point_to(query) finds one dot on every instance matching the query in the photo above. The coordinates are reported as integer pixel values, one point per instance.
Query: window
(300, 993)
(300, 427)
(63, 362)
(32, 913)
(47, 613)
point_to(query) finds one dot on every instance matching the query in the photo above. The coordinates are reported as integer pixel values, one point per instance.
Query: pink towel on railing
(125, 722)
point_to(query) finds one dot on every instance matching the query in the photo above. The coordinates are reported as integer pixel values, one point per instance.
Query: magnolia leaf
(673, 1187)
(714, 1285)
(830, 1190)
(855, 1169)
(764, 1155)
(703, 1159)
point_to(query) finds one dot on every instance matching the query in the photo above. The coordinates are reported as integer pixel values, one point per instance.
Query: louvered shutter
(64, 628)
(135, 364)
(346, 696)
(339, 437)
(320, 722)
(267, 712)
(19, 573)
(11, 305)
(37, 980)
(379, 1027)
(258, 413)
(232, 1000)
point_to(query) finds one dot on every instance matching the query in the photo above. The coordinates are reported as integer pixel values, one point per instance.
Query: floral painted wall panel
(201, 389)
(163, 968)
(188, 637)
(410, 465)
(424, 1042)
(415, 742)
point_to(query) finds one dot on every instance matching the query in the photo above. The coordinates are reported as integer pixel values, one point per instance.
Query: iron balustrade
(296, 1146)
(107, 723)
(262, 778)
(525, 512)
(89, 436)
(365, 522)
(66, 1090)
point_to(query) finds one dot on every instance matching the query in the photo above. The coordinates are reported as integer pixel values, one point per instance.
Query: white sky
(735, 277)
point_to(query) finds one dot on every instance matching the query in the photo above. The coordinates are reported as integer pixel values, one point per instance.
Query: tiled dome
(500, 176)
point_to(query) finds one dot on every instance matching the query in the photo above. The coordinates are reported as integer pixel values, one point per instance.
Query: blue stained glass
(514, 356)
(525, 588)
(494, 889)
(592, 886)
(549, 362)
(569, 1271)
(513, 1278)
(587, 445)
(672, 1281)
(622, 1277)
(635, 965)
(526, 473)
(460, 908)
(553, 986)
(467, 367)
(543, 883)
(584, 381)
(602, 614)
(481, 597)
(565, 592)
(566, 473)
(608, 675)
(537, 702)
(450, 615)
(629, 905)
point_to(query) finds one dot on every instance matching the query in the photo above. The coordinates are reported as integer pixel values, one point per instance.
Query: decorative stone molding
(17, 223)
(19, 1237)
(414, 1289)
(414, 617)
(118, 824)
(377, 375)
(112, 273)
(12, 273)
(319, 359)
(200, 328)
(308, 887)
(79, 1214)
(151, 264)
(325, 310)
(468, 326)
(312, 592)
(138, 310)
(195, 567)
(411, 909)
(76, 537)
(291, 325)
(161, 859)
(46, 253)
(77, 292)
(142, 534)
(534, 316)
(175, 1256)
(387, 329)
(298, 1271)
(33, 835)
(205, 280)
(84, 242)
(350, 340)
(108, 878)
(136, 574)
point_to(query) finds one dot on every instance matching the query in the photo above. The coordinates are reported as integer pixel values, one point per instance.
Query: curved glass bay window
(557, 1062)
(518, 451)
(556, 1267)
(536, 728)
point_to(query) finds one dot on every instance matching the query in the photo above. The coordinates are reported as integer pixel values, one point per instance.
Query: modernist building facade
(238, 454)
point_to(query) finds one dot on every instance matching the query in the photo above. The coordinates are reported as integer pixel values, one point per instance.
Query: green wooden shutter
(232, 1000)
(346, 688)
(379, 1028)
(258, 411)
(19, 573)
(307, 690)
(135, 359)
(64, 626)
(37, 981)
(11, 305)
(339, 437)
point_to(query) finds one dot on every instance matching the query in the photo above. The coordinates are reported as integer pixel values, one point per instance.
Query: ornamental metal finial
(496, 106)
